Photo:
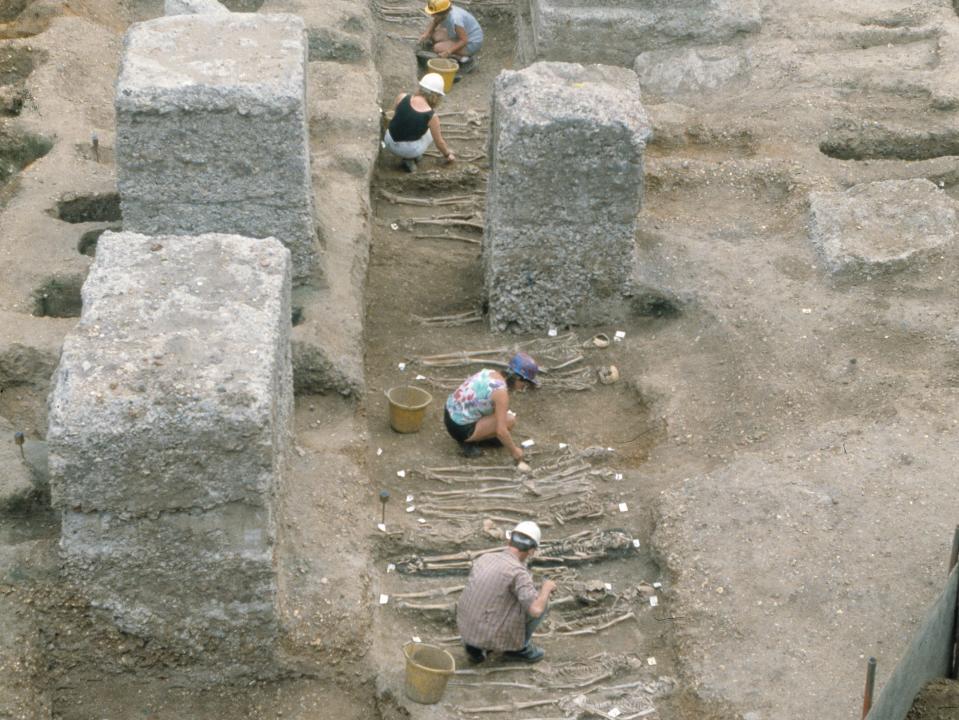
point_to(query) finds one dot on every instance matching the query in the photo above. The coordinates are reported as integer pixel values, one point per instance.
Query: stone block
(193, 7)
(691, 72)
(565, 187)
(170, 428)
(880, 227)
(212, 127)
(174, 391)
(199, 582)
(616, 31)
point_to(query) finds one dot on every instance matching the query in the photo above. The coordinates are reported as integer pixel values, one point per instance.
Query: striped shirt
(492, 610)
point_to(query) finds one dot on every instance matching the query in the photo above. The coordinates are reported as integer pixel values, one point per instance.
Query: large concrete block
(616, 31)
(174, 391)
(691, 72)
(565, 187)
(881, 227)
(196, 582)
(170, 428)
(212, 130)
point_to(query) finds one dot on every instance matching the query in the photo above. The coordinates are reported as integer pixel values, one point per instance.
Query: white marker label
(608, 586)
(563, 446)
(618, 476)
(623, 507)
(421, 521)
(416, 639)
(614, 712)
(650, 661)
(401, 473)
(636, 545)
(552, 332)
(411, 508)
(390, 568)
(653, 601)
(384, 599)
(381, 527)
(401, 366)
(409, 498)
(379, 451)
(657, 584)
(528, 443)
(619, 336)
(421, 377)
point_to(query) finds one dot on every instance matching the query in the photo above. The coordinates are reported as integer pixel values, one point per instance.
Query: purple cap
(523, 365)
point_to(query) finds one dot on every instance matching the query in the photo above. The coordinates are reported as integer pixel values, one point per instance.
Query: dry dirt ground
(783, 441)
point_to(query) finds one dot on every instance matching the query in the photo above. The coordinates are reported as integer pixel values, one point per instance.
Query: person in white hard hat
(415, 124)
(500, 607)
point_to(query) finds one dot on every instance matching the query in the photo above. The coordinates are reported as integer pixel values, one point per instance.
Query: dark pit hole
(16, 64)
(59, 297)
(880, 143)
(18, 149)
(250, 6)
(102, 207)
(297, 315)
(87, 244)
(650, 304)
(11, 9)
(12, 98)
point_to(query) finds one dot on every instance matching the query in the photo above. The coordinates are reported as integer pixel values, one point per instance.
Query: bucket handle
(386, 394)
(407, 648)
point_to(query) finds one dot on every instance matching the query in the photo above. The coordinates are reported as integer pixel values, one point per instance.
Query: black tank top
(407, 123)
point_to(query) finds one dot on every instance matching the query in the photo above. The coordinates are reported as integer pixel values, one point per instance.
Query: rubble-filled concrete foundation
(169, 429)
(565, 187)
(880, 227)
(212, 129)
(616, 31)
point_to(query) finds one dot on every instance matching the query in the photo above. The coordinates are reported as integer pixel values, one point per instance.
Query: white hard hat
(529, 529)
(433, 82)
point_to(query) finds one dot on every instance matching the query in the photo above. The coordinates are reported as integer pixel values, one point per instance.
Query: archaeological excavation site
(237, 312)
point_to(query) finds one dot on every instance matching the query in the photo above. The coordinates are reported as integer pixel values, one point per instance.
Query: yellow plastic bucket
(427, 669)
(445, 67)
(407, 407)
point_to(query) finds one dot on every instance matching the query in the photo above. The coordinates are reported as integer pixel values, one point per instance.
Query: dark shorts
(458, 432)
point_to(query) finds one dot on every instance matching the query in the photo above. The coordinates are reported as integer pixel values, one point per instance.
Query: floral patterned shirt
(474, 398)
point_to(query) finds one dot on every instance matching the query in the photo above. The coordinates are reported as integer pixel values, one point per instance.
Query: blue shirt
(458, 17)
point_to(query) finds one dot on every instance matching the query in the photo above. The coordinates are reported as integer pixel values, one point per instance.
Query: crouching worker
(415, 124)
(500, 607)
(479, 408)
(451, 32)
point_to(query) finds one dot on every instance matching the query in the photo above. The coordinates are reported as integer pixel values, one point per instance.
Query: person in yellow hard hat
(451, 32)
(415, 124)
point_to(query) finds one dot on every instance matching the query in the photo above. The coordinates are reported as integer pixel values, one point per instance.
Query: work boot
(529, 654)
(409, 165)
(470, 450)
(467, 65)
(475, 655)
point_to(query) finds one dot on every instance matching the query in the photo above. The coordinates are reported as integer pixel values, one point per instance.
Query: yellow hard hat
(434, 7)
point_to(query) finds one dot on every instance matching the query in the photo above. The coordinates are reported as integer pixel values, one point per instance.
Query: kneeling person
(500, 607)
(415, 125)
(451, 32)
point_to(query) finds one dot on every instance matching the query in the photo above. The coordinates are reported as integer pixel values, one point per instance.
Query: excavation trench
(611, 623)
